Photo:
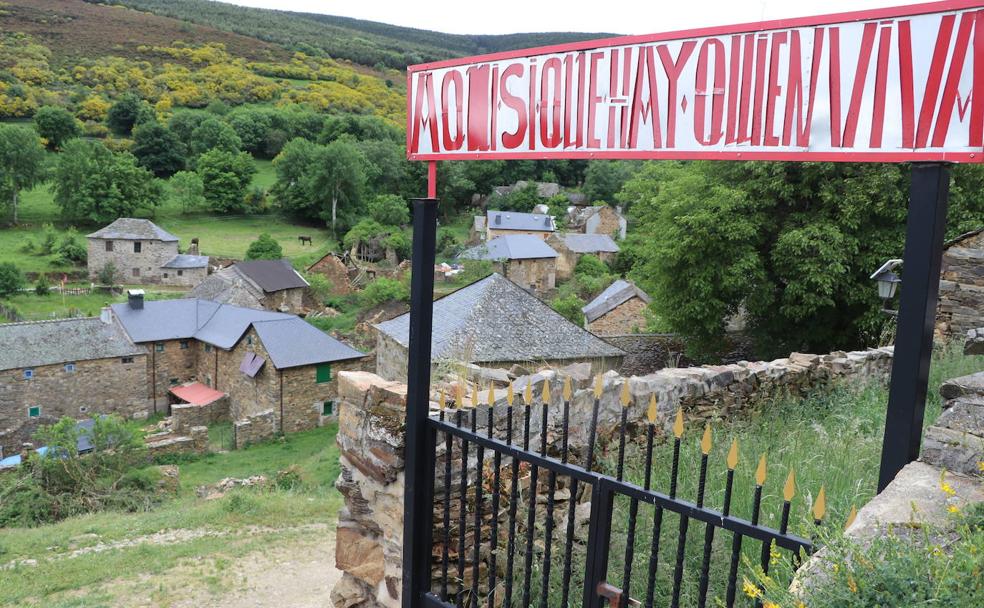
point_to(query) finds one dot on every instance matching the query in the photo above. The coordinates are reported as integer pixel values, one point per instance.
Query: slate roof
(495, 320)
(294, 342)
(511, 247)
(289, 340)
(590, 243)
(271, 275)
(185, 261)
(40, 343)
(616, 294)
(510, 220)
(228, 286)
(128, 228)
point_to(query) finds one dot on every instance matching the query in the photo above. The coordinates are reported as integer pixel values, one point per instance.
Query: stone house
(961, 306)
(618, 310)
(142, 252)
(268, 284)
(494, 323)
(265, 362)
(70, 367)
(523, 258)
(501, 223)
(597, 219)
(571, 246)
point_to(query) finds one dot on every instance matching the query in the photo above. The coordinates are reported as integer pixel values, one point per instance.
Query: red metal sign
(885, 85)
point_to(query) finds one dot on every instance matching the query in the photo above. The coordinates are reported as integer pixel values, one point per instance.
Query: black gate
(510, 484)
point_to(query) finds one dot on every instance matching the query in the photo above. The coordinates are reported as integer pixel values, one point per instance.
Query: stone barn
(618, 310)
(961, 306)
(494, 323)
(268, 284)
(334, 269)
(524, 259)
(142, 252)
(571, 246)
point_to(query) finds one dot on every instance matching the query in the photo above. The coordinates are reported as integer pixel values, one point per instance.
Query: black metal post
(921, 262)
(418, 501)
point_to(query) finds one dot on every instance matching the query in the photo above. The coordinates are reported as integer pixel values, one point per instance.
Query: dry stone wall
(254, 429)
(372, 443)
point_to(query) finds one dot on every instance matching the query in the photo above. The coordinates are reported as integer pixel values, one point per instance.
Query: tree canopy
(226, 177)
(97, 185)
(158, 149)
(22, 164)
(56, 125)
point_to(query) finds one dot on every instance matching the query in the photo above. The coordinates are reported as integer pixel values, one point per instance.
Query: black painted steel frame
(910, 375)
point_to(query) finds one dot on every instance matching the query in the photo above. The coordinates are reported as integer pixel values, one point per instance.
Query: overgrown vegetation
(61, 482)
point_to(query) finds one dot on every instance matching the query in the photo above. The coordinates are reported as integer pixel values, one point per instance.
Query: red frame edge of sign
(832, 18)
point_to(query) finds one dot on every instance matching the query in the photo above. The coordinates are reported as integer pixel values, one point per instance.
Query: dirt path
(293, 572)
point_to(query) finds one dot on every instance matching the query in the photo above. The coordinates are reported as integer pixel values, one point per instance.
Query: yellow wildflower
(770, 605)
(853, 586)
(836, 568)
(954, 509)
(774, 554)
(751, 589)
(948, 489)
(980, 466)
(800, 605)
(937, 551)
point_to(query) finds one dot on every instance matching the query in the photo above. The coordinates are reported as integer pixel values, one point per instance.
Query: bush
(265, 247)
(400, 243)
(107, 274)
(320, 286)
(63, 483)
(590, 266)
(42, 286)
(475, 270)
(71, 249)
(384, 290)
(49, 240)
(11, 279)
(289, 478)
(569, 307)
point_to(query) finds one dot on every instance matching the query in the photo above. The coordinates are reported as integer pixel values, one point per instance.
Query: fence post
(599, 541)
(921, 262)
(418, 505)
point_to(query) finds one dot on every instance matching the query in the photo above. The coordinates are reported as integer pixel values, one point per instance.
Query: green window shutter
(323, 373)
(34, 411)
(327, 408)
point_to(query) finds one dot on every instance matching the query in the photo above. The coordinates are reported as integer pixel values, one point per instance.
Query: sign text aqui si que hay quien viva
(891, 85)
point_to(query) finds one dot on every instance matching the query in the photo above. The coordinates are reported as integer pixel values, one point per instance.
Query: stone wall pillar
(371, 415)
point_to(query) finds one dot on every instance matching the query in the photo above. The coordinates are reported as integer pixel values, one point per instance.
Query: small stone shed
(494, 323)
(961, 306)
(143, 252)
(267, 284)
(524, 259)
(571, 246)
(336, 271)
(620, 309)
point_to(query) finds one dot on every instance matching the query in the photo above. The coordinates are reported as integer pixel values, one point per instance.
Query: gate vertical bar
(418, 501)
(926, 223)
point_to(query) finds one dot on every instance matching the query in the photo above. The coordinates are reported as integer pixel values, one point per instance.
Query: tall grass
(832, 439)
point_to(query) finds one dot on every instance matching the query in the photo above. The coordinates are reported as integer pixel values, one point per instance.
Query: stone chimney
(106, 315)
(193, 248)
(135, 297)
(25, 451)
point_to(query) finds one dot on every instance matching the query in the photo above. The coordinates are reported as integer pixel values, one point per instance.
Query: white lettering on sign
(883, 85)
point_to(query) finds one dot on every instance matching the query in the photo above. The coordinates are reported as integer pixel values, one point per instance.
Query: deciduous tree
(226, 177)
(56, 125)
(22, 164)
(158, 149)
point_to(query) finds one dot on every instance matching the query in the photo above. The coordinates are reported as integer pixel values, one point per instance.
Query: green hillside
(365, 42)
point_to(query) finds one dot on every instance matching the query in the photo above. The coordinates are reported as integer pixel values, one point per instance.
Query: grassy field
(53, 306)
(219, 236)
(80, 561)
